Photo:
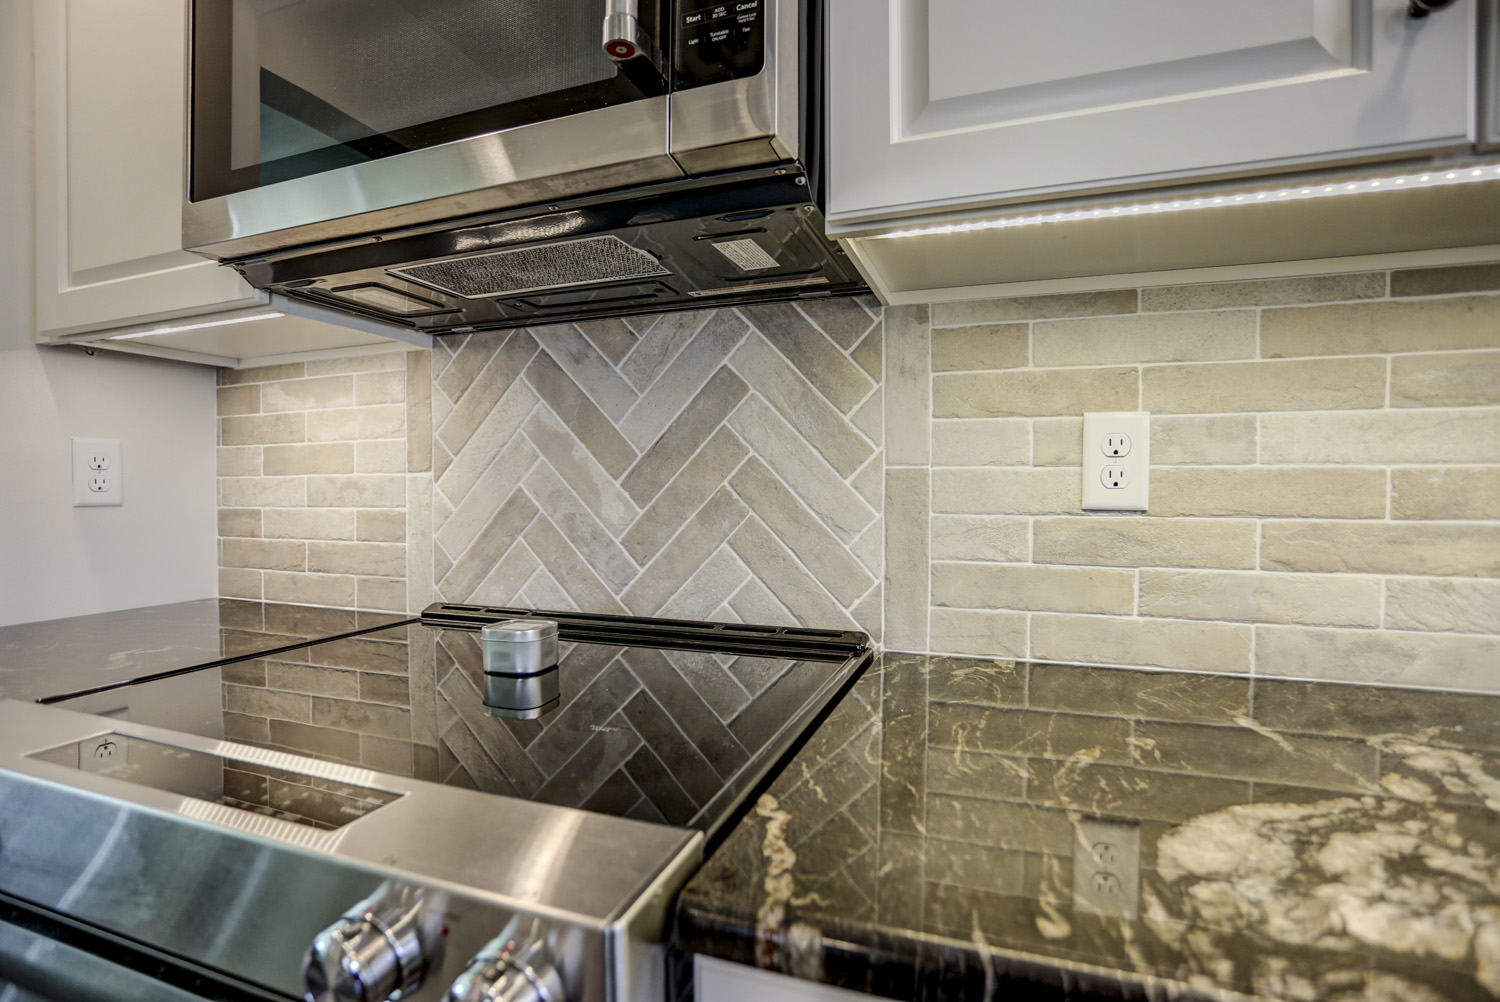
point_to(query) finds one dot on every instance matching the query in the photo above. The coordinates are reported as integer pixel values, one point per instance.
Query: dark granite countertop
(950, 830)
(58, 656)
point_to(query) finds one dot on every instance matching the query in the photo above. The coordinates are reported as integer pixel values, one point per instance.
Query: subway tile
(1379, 657)
(1265, 492)
(238, 399)
(238, 461)
(1369, 711)
(360, 717)
(982, 346)
(684, 494)
(789, 392)
(779, 570)
(1445, 281)
(1214, 440)
(261, 374)
(387, 387)
(1265, 292)
(702, 416)
(257, 492)
(590, 481)
(907, 493)
(681, 381)
(1147, 695)
(323, 742)
(1458, 379)
(1032, 588)
(1034, 392)
(1381, 548)
(815, 356)
(613, 338)
(1079, 304)
(379, 362)
(1218, 647)
(418, 397)
(237, 582)
(309, 523)
(350, 423)
(335, 590)
(393, 690)
(307, 394)
(816, 484)
(1005, 491)
(258, 702)
(1460, 605)
(704, 533)
(1261, 598)
(843, 318)
(470, 358)
(478, 505)
(386, 594)
(380, 457)
(660, 340)
(708, 588)
(239, 522)
(1128, 792)
(263, 429)
(496, 382)
(1452, 493)
(1028, 733)
(475, 561)
(296, 460)
(1058, 441)
(592, 540)
(908, 389)
(358, 491)
(1382, 437)
(976, 632)
(1229, 387)
(1381, 328)
(1241, 753)
(1145, 542)
(267, 554)
(1159, 337)
(380, 526)
(312, 680)
(816, 547)
(869, 354)
(378, 559)
(978, 442)
(980, 537)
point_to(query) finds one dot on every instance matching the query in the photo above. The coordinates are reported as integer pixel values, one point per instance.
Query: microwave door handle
(632, 48)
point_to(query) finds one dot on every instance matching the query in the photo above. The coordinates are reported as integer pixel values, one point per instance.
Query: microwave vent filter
(564, 265)
(745, 254)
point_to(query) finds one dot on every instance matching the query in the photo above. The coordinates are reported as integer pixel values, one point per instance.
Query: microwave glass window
(288, 88)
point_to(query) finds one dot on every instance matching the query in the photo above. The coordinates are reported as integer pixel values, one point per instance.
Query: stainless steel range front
(480, 805)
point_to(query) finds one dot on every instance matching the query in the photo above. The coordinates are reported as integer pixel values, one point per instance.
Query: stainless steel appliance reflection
(136, 859)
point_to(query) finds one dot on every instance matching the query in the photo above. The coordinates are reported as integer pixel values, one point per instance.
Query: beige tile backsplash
(1325, 480)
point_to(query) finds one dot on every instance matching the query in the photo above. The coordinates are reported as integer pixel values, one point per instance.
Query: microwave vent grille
(587, 261)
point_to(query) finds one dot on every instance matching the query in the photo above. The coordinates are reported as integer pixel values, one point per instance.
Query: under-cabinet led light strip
(1400, 182)
(174, 328)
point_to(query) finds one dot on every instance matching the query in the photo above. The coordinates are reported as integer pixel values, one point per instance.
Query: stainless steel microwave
(455, 165)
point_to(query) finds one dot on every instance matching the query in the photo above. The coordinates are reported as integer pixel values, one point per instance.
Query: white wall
(57, 560)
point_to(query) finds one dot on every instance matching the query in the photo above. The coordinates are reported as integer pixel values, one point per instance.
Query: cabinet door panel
(110, 116)
(975, 101)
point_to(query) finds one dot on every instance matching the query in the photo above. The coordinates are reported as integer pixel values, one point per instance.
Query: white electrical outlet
(98, 478)
(1116, 461)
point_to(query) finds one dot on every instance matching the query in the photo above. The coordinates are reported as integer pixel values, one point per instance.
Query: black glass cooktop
(656, 720)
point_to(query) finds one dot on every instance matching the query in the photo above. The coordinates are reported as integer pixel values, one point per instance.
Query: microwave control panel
(719, 41)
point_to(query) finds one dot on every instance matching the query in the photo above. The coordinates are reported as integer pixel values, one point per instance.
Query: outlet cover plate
(97, 475)
(1117, 443)
(1107, 867)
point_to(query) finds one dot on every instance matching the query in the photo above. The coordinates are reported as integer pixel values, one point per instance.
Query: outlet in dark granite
(1297, 841)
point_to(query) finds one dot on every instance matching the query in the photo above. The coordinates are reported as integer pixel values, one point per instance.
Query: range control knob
(379, 950)
(515, 966)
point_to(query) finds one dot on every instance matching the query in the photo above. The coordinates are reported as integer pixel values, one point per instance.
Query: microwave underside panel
(588, 261)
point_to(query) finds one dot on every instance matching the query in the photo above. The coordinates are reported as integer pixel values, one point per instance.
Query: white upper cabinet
(110, 130)
(110, 80)
(941, 105)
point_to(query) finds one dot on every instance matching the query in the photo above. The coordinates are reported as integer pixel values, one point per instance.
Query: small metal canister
(520, 668)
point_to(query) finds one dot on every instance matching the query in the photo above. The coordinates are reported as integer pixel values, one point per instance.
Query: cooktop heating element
(487, 800)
